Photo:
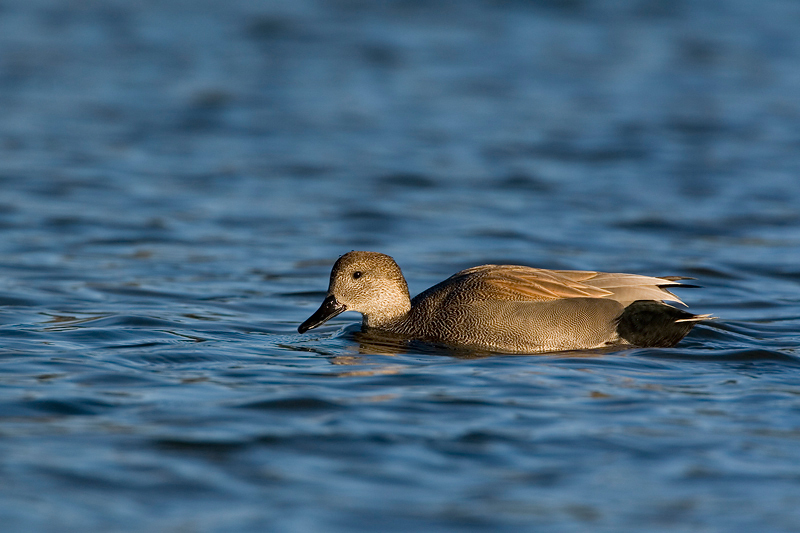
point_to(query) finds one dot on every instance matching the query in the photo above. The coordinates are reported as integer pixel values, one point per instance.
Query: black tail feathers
(649, 323)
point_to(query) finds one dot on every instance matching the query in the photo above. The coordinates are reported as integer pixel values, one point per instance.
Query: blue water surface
(177, 178)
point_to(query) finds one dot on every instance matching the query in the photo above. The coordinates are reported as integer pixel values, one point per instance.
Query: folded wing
(519, 283)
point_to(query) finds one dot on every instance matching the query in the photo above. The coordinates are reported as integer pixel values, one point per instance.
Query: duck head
(368, 282)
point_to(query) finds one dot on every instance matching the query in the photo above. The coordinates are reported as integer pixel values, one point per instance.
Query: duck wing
(628, 288)
(520, 283)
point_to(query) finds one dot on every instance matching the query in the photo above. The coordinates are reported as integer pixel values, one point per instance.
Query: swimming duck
(508, 308)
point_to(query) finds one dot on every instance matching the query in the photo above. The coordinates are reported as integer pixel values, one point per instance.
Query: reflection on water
(372, 342)
(177, 179)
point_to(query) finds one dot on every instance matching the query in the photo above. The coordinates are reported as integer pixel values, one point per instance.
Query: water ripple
(178, 181)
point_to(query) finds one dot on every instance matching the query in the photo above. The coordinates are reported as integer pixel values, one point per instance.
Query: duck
(509, 308)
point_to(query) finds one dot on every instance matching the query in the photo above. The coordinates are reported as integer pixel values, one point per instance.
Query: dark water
(176, 179)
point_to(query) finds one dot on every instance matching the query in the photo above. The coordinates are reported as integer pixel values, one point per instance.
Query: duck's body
(508, 308)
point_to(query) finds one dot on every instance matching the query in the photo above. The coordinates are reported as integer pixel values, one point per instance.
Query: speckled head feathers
(368, 282)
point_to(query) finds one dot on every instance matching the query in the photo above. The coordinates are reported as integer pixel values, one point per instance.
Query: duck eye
(357, 274)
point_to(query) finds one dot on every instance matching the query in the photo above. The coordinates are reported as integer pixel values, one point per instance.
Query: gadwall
(507, 308)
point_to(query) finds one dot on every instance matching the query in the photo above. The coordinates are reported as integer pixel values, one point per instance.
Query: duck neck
(387, 319)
